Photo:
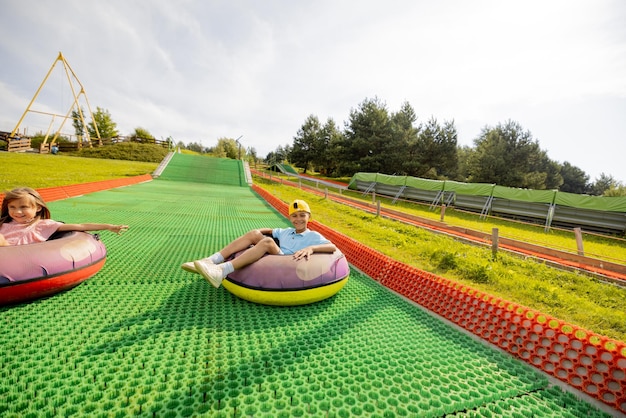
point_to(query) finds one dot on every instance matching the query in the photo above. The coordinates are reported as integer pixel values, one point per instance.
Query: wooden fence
(24, 144)
(17, 145)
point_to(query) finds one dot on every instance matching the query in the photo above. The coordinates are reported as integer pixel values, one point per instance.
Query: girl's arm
(118, 229)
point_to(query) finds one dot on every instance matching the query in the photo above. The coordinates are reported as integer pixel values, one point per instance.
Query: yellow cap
(299, 206)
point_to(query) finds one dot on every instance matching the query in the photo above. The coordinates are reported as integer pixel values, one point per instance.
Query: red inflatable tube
(33, 271)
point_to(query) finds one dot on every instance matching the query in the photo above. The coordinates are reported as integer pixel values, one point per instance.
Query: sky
(201, 70)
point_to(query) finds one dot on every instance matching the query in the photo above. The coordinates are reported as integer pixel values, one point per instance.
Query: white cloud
(198, 71)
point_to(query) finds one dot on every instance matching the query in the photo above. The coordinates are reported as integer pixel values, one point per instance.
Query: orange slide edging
(50, 194)
(591, 363)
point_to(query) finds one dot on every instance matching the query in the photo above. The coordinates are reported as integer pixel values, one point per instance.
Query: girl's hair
(18, 193)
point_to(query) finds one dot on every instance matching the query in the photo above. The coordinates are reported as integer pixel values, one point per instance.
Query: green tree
(251, 156)
(192, 146)
(327, 159)
(271, 158)
(104, 123)
(141, 133)
(464, 155)
(227, 148)
(433, 154)
(404, 133)
(575, 180)
(283, 153)
(279, 155)
(602, 184)
(617, 190)
(307, 143)
(367, 137)
(550, 172)
(77, 122)
(170, 142)
(509, 156)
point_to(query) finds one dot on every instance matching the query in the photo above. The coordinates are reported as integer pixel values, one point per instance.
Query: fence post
(378, 208)
(373, 197)
(326, 193)
(443, 212)
(579, 241)
(494, 242)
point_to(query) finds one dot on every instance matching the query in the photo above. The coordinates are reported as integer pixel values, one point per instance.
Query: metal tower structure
(71, 78)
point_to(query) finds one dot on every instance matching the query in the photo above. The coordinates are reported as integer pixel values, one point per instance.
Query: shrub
(129, 151)
(444, 260)
(37, 140)
(476, 273)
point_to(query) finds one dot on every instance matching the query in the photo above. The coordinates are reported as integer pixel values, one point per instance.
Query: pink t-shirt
(20, 234)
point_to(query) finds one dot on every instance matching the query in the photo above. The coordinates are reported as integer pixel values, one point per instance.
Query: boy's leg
(250, 238)
(216, 273)
(265, 246)
(245, 241)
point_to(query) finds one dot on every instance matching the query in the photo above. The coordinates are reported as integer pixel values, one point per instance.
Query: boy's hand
(303, 253)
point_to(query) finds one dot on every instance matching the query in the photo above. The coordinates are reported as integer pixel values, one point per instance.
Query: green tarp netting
(600, 203)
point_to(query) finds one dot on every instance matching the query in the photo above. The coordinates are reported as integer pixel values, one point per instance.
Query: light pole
(237, 141)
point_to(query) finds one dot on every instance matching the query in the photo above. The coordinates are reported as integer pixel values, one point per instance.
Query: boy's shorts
(277, 241)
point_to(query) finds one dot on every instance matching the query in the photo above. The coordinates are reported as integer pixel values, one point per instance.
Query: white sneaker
(188, 266)
(209, 271)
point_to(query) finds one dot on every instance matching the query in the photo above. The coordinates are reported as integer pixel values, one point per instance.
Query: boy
(298, 241)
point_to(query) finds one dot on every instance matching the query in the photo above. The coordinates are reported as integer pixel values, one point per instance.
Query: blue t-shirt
(290, 242)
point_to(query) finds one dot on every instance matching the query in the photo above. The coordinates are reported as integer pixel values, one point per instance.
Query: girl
(25, 219)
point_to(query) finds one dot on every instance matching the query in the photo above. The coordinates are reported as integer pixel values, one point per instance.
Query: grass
(575, 298)
(46, 170)
(128, 151)
(572, 297)
(609, 248)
